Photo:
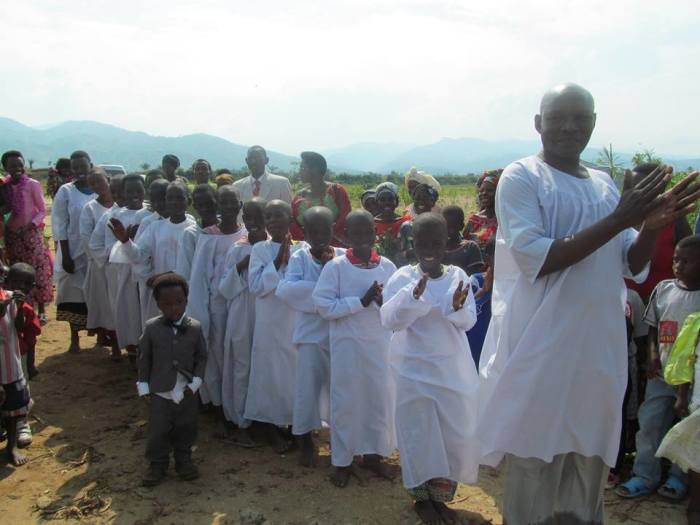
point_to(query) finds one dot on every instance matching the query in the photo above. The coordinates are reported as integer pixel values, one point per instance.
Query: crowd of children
(283, 337)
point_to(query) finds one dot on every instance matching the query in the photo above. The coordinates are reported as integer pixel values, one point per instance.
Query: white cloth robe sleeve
(326, 299)
(59, 215)
(263, 277)
(293, 289)
(188, 245)
(232, 283)
(87, 227)
(97, 240)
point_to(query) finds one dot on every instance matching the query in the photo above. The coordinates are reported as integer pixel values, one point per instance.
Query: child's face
(15, 167)
(134, 193)
(80, 167)
(318, 232)
(229, 205)
(429, 247)
(156, 195)
(686, 266)
(370, 204)
(169, 170)
(117, 189)
(176, 201)
(277, 221)
(172, 302)
(205, 205)
(361, 234)
(24, 282)
(422, 201)
(201, 172)
(454, 226)
(386, 203)
(254, 221)
(99, 184)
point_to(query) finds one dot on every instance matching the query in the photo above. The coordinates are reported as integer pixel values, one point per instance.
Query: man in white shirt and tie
(261, 183)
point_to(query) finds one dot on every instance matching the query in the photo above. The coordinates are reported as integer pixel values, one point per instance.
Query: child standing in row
(349, 294)
(311, 331)
(273, 356)
(241, 321)
(429, 307)
(204, 203)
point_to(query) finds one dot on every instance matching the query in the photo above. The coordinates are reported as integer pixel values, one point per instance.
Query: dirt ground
(87, 460)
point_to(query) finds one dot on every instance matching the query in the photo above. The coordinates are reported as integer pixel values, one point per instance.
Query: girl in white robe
(100, 316)
(273, 355)
(204, 203)
(65, 223)
(436, 380)
(362, 395)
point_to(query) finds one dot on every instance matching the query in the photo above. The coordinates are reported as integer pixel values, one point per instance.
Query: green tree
(646, 155)
(611, 160)
(145, 166)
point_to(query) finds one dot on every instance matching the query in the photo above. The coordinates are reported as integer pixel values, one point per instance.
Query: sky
(309, 74)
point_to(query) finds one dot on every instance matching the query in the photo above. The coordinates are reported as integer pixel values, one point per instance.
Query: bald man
(261, 183)
(554, 364)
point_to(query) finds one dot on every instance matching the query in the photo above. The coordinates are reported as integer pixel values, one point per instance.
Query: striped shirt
(10, 357)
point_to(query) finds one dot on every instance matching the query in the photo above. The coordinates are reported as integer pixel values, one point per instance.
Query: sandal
(634, 488)
(674, 489)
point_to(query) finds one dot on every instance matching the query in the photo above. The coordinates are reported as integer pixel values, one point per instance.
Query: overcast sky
(320, 74)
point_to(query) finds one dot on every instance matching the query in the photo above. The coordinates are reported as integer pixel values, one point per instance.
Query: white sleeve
(628, 237)
(59, 215)
(232, 283)
(326, 295)
(464, 318)
(97, 242)
(520, 221)
(183, 265)
(400, 309)
(263, 277)
(86, 225)
(293, 289)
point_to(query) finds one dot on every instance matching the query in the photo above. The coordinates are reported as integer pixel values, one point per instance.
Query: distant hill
(112, 145)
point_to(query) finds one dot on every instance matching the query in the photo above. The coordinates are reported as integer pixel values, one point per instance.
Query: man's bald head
(566, 91)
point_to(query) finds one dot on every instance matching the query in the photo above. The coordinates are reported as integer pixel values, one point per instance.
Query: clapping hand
(373, 293)
(460, 296)
(420, 287)
(679, 201)
(119, 231)
(283, 253)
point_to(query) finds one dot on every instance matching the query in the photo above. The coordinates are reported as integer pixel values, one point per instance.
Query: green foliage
(646, 155)
(612, 161)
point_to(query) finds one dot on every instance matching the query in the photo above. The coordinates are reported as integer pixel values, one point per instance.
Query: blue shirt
(477, 334)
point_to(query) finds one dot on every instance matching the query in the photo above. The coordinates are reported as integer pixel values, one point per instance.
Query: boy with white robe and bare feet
(273, 357)
(349, 294)
(241, 322)
(429, 307)
(311, 332)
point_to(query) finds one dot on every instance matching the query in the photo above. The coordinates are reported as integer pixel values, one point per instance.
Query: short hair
(170, 159)
(256, 148)
(428, 220)
(80, 154)
(201, 161)
(453, 212)
(13, 153)
(278, 203)
(315, 160)
(229, 187)
(21, 268)
(133, 177)
(645, 168)
(255, 202)
(62, 163)
(158, 185)
(692, 241)
(203, 188)
(167, 280)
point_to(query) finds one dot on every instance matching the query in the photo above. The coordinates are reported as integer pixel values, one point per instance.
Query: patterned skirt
(441, 490)
(29, 247)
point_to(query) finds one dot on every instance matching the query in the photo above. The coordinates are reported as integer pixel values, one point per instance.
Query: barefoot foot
(307, 455)
(427, 513)
(374, 463)
(16, 457)
(340, 476)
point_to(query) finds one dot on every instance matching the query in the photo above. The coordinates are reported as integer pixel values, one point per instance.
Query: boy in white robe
(206, 303)
(273, 356)
(204, 203)
(100, 316)
(429, 307)
(241, 322)
(156, 249)
(125, 300)
(349, 294)
(311, 331)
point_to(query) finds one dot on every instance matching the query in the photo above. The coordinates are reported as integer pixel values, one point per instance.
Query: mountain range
(112, 145)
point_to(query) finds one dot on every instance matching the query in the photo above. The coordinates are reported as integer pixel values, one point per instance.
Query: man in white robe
(554, 361)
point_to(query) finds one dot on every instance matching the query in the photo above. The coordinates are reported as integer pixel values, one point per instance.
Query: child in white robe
(429, 307)
(311, 331)
(273, 356)
(100, 316)
(204, 203)
(348, 294)
(206, 303)
(125, 300)
(240, 323)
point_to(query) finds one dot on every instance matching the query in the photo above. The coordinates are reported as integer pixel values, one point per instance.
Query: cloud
(313, 74)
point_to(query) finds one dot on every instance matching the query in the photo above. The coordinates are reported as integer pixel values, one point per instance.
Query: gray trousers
(171, 427)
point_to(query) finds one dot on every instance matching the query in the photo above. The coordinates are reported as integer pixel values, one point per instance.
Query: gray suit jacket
(162, 354)
(271, 187)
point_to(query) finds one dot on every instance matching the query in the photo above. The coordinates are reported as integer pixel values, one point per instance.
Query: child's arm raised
(233, 282)
(458, 305)
(405, 303)
(293, 289)
(263, 276)
(326, 295)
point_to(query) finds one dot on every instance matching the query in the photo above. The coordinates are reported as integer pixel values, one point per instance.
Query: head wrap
(367, 194)
(387, 186)
(421, 177)
(224, 179)
(490, 175)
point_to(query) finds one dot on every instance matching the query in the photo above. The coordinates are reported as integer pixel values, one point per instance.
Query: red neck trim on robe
(374, 259)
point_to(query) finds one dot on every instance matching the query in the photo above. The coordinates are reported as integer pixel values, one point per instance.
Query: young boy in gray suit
(172, 359)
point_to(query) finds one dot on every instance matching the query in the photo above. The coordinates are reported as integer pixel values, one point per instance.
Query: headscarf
(223, 179)
(421, 177)
(492, 176)
(367, 194)
(387, 186)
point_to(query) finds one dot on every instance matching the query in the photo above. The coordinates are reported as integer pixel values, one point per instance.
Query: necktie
(256, 188)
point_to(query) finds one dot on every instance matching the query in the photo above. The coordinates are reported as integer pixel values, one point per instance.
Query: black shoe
(154, 475)
(187, 471)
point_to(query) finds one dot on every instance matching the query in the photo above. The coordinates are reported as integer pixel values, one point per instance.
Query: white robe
(100, 314)
(273, 356)
(183, 266)
(154, 252)
(554, 362)
(65, 225)
(125, 301)
(311, 337)
(239, 334)
(145, 293)
(436, 380)
(209, 307)
(362, 392)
